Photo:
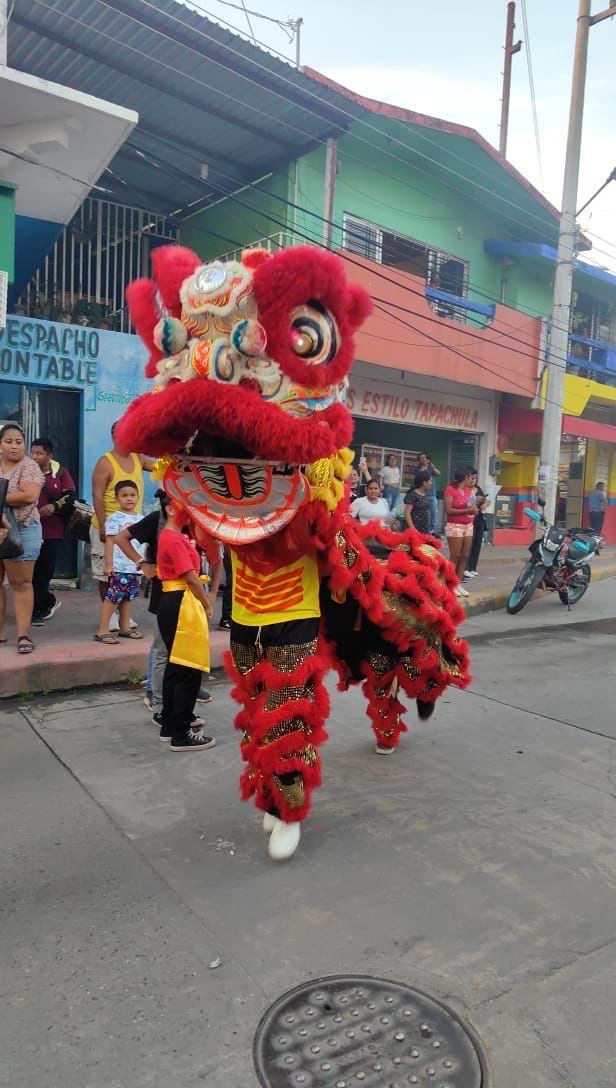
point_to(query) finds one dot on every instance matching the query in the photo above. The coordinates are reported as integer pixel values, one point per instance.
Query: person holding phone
(390, 481)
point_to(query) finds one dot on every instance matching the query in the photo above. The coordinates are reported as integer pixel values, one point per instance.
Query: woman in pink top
(460, 510)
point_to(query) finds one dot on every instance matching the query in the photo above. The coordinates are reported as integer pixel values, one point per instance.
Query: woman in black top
(417, 503)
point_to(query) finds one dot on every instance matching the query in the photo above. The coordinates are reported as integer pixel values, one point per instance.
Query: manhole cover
(348, 1031)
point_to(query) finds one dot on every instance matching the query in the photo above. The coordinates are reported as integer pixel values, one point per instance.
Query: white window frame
(369, 228)
(434, 257)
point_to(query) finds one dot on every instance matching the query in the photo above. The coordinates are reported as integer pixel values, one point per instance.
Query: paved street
(478, 864)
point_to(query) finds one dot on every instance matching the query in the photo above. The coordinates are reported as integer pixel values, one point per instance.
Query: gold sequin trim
(293, 793)
(381, 663)
(288, 658)
(280, 696)
(410, 670)
(387, 732)
(282, 729)
(349, 557)
(428, 549)
(308, 754)
(245, 657)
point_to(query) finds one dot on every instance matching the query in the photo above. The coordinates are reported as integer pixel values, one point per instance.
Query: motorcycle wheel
(524, 588)
(578, 589)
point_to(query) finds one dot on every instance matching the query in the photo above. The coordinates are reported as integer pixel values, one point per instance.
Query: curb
(72, 666)
(69, 667)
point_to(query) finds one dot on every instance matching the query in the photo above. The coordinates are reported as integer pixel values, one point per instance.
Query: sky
(446, 59)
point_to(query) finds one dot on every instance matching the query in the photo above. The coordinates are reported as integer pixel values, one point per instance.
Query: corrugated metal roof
(203, 94)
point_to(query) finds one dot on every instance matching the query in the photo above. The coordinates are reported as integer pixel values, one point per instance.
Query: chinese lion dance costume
(250, 361)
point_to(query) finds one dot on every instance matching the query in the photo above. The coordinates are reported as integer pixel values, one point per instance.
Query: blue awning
(540, 251)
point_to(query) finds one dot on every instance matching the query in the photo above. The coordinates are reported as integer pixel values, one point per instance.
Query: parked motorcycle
(560, 562)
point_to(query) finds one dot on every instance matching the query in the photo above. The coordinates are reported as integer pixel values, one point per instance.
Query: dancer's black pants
(227, 593)
(180, 683)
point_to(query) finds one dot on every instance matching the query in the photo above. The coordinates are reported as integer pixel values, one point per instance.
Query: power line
(277, 120)
(247, 11)
(283, 224)
(378, 304)
(425, 318)
(414, 313)
(531, 84)
(287, 26)
(362, 121)
(54, 169)
(348, 115)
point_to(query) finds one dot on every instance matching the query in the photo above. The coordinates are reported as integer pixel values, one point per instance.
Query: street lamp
(561, 305)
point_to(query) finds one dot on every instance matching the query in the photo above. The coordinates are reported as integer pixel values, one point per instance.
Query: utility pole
(561, 305)
(4, 30)
(297, 26)
(331, 167)
(510, 50)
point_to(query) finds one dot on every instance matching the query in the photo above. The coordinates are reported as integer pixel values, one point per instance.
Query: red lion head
(250, 361)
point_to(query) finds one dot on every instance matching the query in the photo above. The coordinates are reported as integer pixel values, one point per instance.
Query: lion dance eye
(314, 336)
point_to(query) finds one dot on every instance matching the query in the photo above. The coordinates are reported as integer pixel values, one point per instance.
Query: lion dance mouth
(249, 382)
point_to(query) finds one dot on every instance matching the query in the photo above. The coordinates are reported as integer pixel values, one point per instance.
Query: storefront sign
(106, 368)
(416, 407)
(42, 351)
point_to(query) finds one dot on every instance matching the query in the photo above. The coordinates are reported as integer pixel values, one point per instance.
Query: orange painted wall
(503, 356)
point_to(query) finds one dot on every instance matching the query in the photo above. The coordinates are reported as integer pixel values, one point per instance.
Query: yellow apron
(191, 644)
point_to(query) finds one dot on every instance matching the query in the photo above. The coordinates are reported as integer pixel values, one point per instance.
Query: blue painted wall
(34, 239)
(107, 368)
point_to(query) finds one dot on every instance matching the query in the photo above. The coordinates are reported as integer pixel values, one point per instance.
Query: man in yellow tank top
(113, 466)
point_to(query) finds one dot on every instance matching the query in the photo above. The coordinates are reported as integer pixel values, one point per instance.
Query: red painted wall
(405, 334)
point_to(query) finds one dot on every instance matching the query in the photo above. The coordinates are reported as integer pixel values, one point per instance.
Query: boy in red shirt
(182, 616)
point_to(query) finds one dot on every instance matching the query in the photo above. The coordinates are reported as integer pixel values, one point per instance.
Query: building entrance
(48, 413)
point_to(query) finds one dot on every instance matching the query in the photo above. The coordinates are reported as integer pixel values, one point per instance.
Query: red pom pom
(253, 258)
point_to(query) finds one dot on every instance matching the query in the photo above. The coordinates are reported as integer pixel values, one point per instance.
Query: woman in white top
(390, 479)
(372, 507)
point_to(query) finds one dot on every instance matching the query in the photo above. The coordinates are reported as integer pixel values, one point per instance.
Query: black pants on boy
(180, 683)
(43, 573)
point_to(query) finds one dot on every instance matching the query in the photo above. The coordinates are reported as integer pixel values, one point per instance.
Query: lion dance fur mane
(250, 361)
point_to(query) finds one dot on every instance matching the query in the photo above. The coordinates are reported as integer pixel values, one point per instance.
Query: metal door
(57, 415)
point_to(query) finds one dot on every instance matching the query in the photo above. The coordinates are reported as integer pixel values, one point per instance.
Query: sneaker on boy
(194, 740)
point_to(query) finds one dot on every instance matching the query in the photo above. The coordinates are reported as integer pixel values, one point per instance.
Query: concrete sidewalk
(67, 657)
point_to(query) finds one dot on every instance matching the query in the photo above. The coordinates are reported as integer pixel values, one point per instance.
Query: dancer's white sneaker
(269, 822)
(284, 840)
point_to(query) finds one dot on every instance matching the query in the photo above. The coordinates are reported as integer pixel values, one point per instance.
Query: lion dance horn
(154, 304)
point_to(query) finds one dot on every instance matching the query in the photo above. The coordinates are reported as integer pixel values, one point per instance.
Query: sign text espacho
(40, 351)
